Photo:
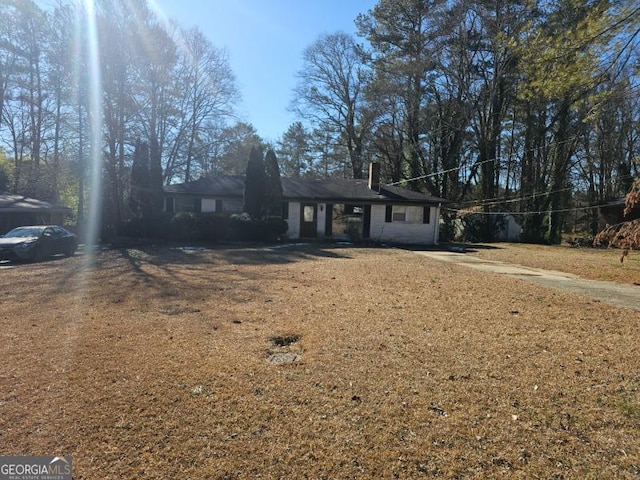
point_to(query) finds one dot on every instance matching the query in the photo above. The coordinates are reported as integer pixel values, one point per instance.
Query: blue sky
(265, 40)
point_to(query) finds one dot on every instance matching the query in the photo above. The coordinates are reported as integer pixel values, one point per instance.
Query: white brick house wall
(294, 220)
(412, 230)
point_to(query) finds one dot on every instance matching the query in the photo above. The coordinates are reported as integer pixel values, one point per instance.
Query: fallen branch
(625, 235)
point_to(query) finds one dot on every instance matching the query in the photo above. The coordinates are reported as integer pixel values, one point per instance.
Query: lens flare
(94, 92)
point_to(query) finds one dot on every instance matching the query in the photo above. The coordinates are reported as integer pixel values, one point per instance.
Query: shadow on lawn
(454, 247)
(250, 254)
(168, 271)
(165, 256)
(283, 254)
(205, 270)
(168, 268)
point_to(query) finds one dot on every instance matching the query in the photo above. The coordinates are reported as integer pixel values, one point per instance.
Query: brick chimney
(374, 176)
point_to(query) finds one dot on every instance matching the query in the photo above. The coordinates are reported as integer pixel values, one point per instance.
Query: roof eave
(35, 209)
(381, 200)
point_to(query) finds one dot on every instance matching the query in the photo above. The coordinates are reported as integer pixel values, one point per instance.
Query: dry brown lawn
(153, 363)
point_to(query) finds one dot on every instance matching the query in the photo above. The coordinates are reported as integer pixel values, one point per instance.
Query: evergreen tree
(273, 184)
(5, 173)
(294, 151)
(156, 196)
(139, 196)
(254, 184)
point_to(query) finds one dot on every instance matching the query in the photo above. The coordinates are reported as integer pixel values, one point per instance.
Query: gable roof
(19, 203)
(325, 190)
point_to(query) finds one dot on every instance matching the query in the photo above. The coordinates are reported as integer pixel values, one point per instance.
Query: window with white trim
(399, 213)
(405, 214)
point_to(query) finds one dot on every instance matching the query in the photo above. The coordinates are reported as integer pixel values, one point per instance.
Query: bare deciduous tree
(330, 93)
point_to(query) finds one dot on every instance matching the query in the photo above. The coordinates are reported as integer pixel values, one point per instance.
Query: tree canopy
(529, 108)
(524, 108)
(166, 86)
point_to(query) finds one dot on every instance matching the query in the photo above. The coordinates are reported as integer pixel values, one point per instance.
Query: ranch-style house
(330, 208)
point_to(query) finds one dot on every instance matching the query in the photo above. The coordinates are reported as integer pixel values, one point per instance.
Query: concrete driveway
(626, 296)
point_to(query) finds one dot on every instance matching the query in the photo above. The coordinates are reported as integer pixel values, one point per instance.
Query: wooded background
(528, 107)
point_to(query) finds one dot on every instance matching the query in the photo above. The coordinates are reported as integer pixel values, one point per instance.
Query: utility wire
(499, 201)
(442, 172)
(539, 212)
(496, 201)
(435, 174)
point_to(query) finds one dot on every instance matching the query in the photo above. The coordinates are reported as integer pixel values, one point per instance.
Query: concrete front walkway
(626, 296)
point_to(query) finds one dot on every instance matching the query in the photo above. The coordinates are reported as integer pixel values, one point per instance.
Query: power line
(496, 201)
(539, 212)
(442, 172)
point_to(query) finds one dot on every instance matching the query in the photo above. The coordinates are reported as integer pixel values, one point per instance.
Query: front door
(366, 222)
(328, 220)
(308, 220)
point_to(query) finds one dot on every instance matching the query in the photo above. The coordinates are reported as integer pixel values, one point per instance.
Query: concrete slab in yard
(626, 296)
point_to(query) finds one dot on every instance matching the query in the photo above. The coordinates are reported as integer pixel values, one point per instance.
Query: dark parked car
(37, 242)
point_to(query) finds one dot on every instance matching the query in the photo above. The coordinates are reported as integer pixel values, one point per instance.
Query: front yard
(163, 363)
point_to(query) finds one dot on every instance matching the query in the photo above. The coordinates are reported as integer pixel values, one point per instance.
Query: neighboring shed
(469, 227)
(16, 210)
(326, 208)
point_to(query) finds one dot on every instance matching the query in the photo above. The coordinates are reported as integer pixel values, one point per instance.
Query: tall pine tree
(273, 185)
(254, 184)
(156, 195)
(139, 195)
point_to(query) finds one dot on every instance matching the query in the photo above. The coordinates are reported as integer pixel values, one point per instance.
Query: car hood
(9, 242)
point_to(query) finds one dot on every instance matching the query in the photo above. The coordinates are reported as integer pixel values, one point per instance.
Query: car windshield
(24, 232)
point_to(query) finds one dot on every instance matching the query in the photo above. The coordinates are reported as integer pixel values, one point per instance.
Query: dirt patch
(285, 349)
(153, 365)
(284, 340)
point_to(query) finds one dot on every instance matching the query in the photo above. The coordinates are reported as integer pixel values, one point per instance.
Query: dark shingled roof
(326, 190)
(18, 203)
(231, 185)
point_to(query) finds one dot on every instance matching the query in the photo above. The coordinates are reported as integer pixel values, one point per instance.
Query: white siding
(411, 231)
(294, 220)
(321, 216)
(208, 205)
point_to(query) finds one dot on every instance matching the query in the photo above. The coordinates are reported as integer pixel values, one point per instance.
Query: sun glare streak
(169, 26)
(94, 92)
(162, 16)
(87, 80)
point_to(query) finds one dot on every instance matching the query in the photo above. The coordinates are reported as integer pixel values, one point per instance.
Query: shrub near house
(205, 227)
